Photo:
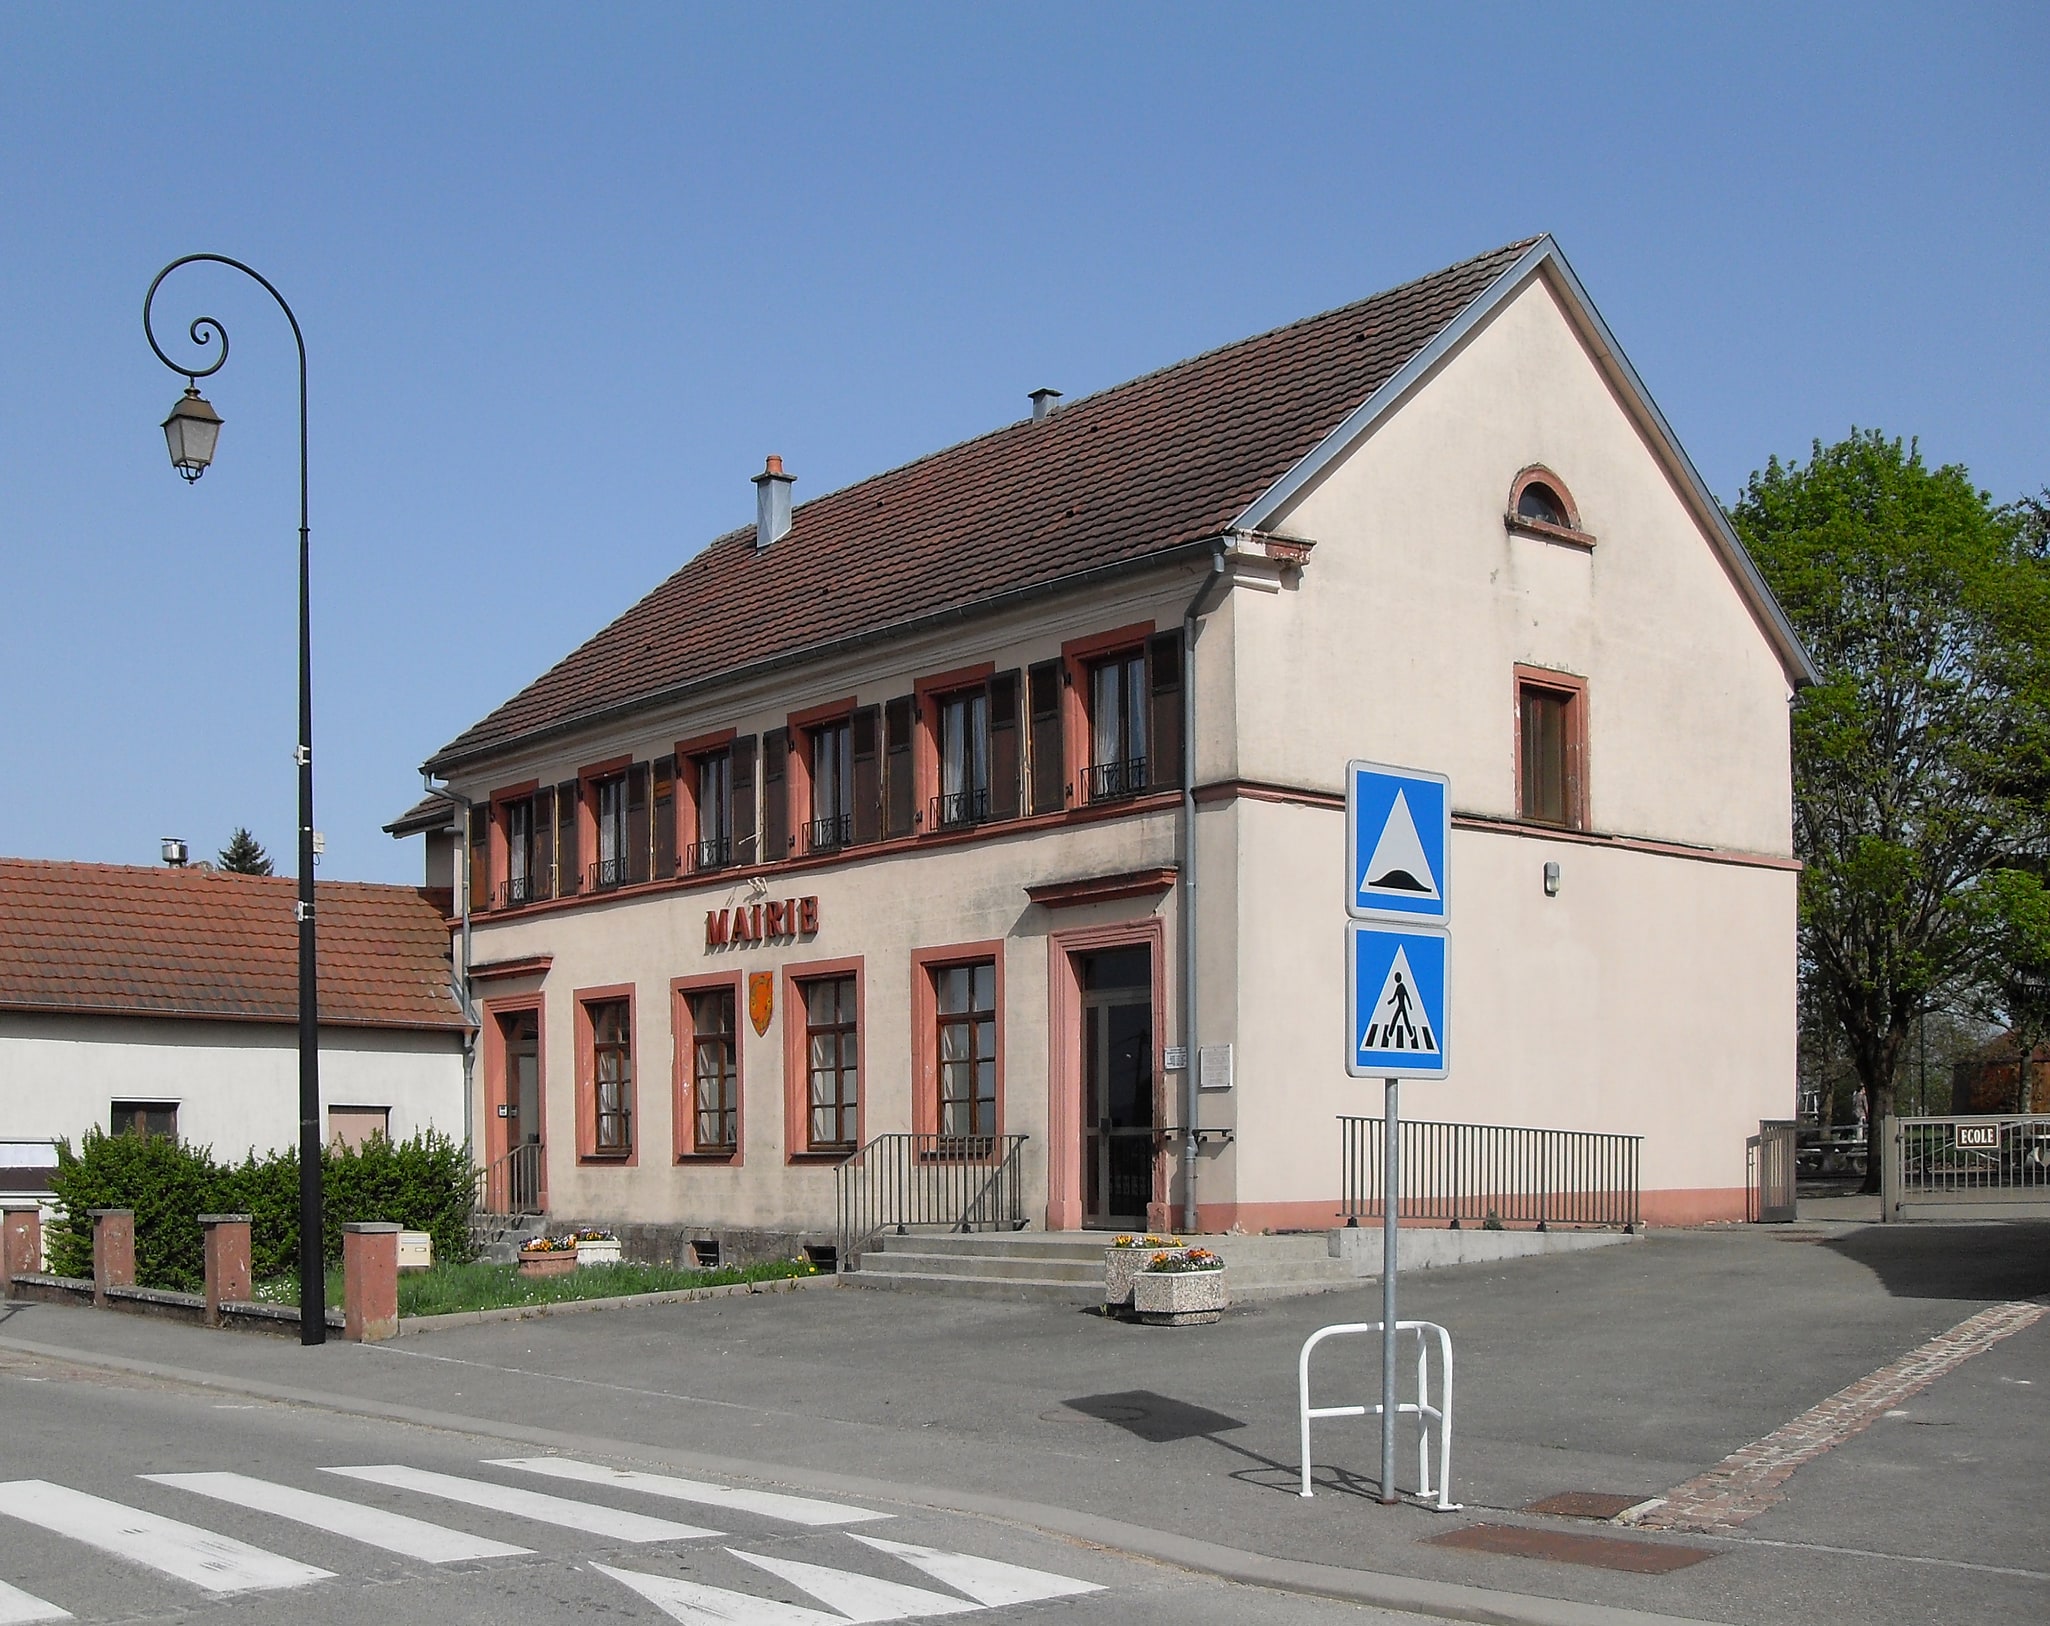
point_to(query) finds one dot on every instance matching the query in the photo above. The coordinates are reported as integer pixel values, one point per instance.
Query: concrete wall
(236, 1083)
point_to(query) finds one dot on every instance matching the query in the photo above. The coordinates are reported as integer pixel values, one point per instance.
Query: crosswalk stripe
(219, 1564)
(770, 1504)
(859, 1597)
(986, 1580)
(698, 1605)
(374, 1526)
(19, 1608)
(588, 1517)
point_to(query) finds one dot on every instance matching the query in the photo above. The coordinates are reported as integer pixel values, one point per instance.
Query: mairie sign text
(761, 922)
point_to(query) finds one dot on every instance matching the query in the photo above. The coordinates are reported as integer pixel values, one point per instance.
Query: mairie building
(986, 819)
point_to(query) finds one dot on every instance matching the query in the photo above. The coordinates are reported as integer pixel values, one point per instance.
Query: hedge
(424, 1184)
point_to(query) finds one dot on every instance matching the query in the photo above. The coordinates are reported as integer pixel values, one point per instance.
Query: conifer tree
(244, 855)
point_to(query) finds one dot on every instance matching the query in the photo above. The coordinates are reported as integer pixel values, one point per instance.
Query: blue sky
(568, 274)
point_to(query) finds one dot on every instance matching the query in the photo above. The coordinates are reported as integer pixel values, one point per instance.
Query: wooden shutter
(899, 788)
(665, 817)
(480, 858)
(745, 847)
(775, 795)
(1164, 758)
(541, 865)
(1049, 769)
(569, 852)
(1005, 746)
(639, 828)
(868, 774)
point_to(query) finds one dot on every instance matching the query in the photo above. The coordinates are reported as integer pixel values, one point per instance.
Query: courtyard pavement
(1622, 1371)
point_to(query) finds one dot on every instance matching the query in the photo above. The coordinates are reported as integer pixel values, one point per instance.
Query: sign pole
(1391, 1203)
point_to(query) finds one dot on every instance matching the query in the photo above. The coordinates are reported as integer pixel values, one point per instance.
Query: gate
(1769, 1162)
(1990, 1166)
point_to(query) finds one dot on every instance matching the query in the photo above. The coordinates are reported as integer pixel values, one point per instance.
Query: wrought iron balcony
(518, 889)
(608, 873)
(959, 809)
(829, 834)
(1113, 781)
(714, 854)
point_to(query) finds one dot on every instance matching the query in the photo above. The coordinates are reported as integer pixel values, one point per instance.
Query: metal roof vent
(772, 502)
(174, 852)
(1045, 403)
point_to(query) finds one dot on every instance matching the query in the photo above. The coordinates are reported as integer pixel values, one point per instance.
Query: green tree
(2014, 979)
(244, 855)
(1922, 758)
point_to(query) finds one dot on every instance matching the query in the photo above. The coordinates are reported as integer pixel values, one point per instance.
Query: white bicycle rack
(1427, 1414)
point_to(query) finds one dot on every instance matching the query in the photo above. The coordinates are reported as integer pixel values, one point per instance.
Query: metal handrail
(511, 1182)
(961, 1182)
(1112, 781)
(1456, 1173)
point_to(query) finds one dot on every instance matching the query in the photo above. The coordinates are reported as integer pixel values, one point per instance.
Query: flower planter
(1178, 1298)
(547, 1261)
(1120, 1265)
(599, 1253)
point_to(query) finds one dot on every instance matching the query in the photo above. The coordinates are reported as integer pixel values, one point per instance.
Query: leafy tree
(2014, 981)
(1922, 759)
(244, 855)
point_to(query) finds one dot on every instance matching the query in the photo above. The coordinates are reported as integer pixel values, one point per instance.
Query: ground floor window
(714, 1071)
(610, 1023)
(965, 1040)
(832, 1047)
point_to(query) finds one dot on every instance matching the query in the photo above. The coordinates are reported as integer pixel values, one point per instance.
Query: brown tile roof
(1134, 471)
(121, 940)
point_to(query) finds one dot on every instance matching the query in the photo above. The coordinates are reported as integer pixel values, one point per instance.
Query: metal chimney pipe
(772, 502)
(1045, 403)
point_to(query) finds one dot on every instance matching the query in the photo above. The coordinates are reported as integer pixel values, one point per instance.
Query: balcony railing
(1490, 1172)
(608, 873)
(1113, 781)
(957, 810)
(830, 834)
(714, 854)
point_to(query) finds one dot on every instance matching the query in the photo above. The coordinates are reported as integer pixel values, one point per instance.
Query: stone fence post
(21, 1244)
(370, 1282)
(227, 1262)
(113, 1251)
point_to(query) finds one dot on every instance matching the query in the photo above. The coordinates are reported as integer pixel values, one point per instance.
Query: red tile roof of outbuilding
(1134, 471)
(122, 940)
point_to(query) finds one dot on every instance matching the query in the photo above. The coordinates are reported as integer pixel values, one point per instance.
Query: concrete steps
(1067, 1267)
(497, 1236)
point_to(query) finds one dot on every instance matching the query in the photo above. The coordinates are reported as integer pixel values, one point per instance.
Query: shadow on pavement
(1155, 1418)
(1925, 1260)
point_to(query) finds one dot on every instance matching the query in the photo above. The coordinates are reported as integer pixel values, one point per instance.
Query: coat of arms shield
(761, 1000)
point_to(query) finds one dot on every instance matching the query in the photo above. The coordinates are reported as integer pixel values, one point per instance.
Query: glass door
(1117, 1086)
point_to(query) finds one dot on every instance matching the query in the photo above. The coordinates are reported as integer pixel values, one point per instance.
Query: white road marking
(588, 1517)
(697, 1605)
(770, 1504)
(217, 1563)
(394, 1532)
(19, 1608)
(859, 1597)
(987, 1581)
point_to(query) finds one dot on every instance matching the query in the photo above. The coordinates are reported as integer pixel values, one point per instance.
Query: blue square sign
(1396, 1002)
(1398, 836)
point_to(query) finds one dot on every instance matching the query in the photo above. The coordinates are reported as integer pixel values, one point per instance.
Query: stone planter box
(1178, 1298)
(1120, 1265)
(599, 1253)
(548, 1262)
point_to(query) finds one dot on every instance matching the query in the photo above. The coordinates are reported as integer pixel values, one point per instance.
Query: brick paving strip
(1747, 1481)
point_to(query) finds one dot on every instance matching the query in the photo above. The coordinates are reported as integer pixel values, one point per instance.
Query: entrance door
(516, 1178)
(1117, 1086)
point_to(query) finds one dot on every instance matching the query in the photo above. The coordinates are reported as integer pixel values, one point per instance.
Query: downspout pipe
(464, 997)
(1199, 606)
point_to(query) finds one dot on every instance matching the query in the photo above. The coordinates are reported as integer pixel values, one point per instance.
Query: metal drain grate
(1585, 1504)
(1569, 1547)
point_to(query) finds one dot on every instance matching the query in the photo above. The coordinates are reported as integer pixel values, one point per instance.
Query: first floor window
(965, 1006)
(1550, 749)
(145, 1118)
(832, 1048)
(1117, 726)
(832, 787)
(964, 759)
(714, 1071)
(356, 1127)
(612, 1075)
(713, 845)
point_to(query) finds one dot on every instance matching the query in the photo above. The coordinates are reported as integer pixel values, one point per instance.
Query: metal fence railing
(959, 1182)
(1461, 1174)
(511, 1182)
(1770, 1166)
(1995, 1162)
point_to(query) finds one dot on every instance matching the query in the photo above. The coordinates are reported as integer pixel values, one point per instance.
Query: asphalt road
(262, 1527)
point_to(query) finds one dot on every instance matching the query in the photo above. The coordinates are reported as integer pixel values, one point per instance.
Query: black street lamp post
(190, 432)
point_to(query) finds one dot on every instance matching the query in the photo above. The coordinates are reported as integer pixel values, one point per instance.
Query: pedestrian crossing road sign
(1398, 834)
(1395, 1002)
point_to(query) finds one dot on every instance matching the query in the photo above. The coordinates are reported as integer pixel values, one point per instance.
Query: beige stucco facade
(1653, 995)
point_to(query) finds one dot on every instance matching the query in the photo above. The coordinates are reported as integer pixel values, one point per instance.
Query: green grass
(446, 1289)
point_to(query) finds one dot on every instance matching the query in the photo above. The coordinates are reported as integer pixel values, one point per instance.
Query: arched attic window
(1541, 506)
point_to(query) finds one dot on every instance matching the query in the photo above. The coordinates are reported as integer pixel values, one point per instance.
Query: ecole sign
(761, 922)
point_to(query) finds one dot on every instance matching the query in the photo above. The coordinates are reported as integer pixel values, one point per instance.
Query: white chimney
(174, 852)
(772, 502)
(1045, 403)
